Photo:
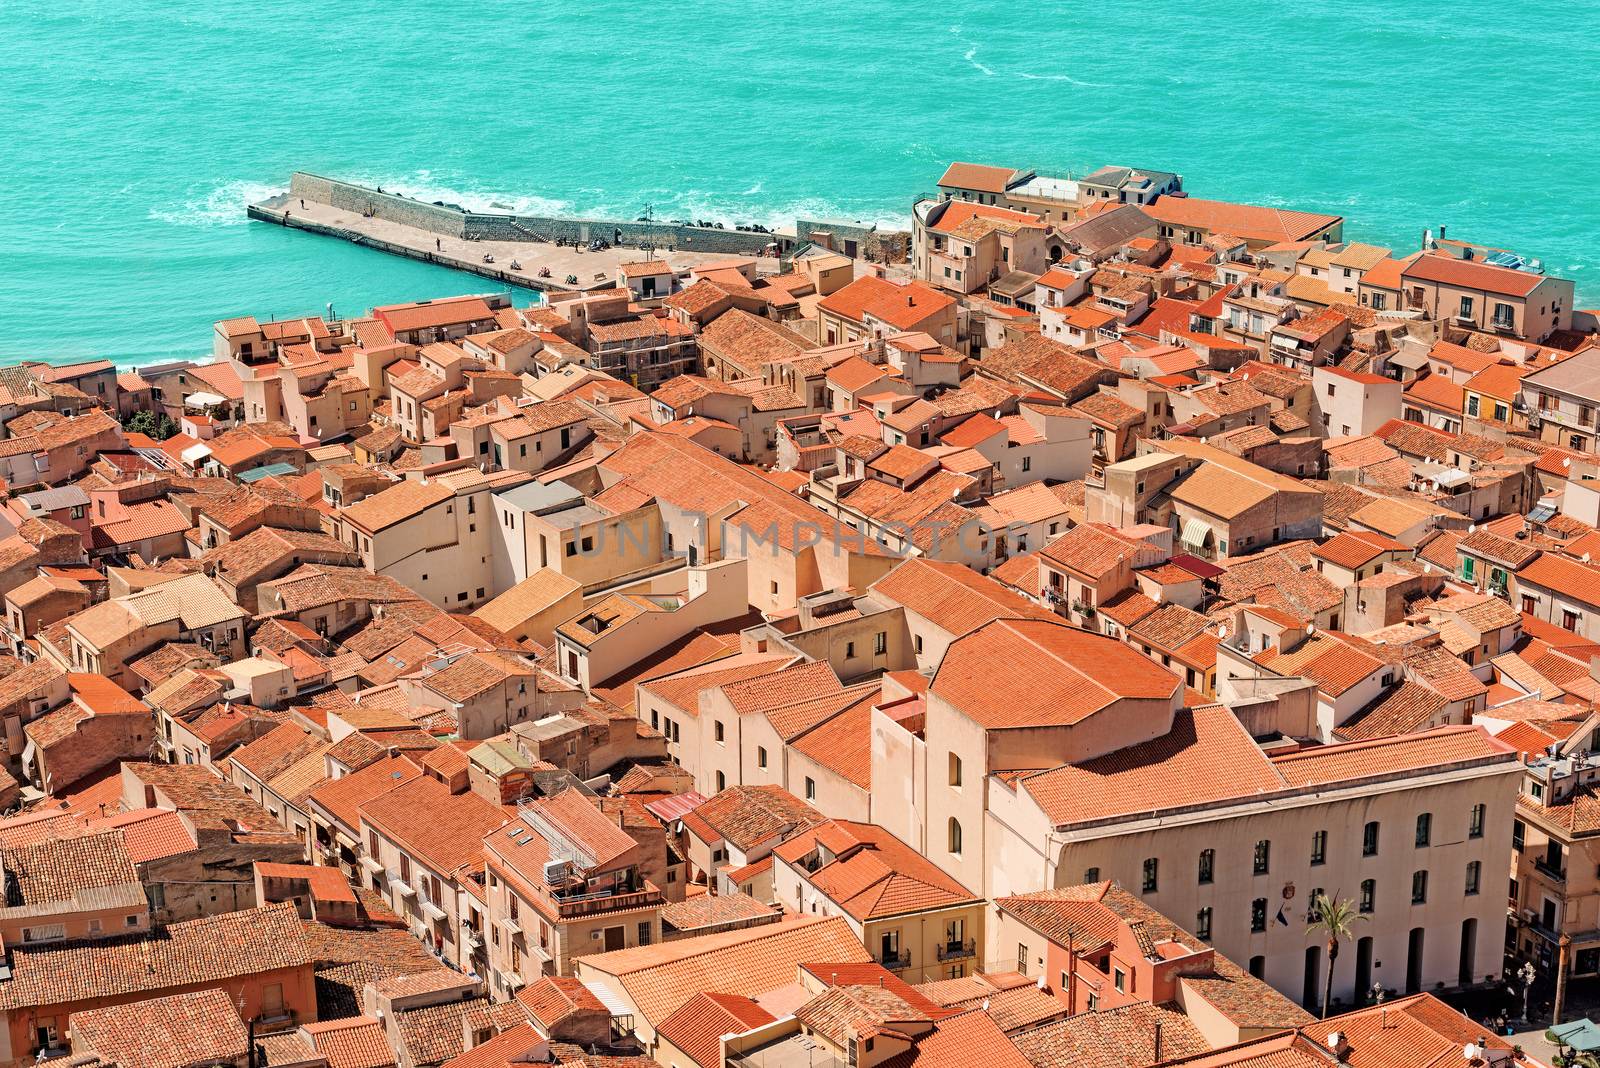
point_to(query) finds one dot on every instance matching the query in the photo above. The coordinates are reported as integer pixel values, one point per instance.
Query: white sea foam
(221, 206)
(968, 56)
(422, 186)
(1069, 79)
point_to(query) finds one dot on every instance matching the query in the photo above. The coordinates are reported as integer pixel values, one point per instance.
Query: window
(761, 756)
(1467, 565)
(1474, 876)
(849, 650)
(1151, 875)
(1419, 887)
(1258, 966)
(1475, 822)
(1202, 924)
(1027, 463)
(1369, 839)
(811, 788)
(722, 736)
(1258, 914)
(722, 783)
(1022, 958)
(1518, 833)
(1091, 875)
(955, 770)
(880, 643)
(1208, 866)
(954, 834)
(646, 935)
(1424, 829)
(1369, 894)
(1466, 308)
(1319, 847)
(1119, 979)
(1263, 860)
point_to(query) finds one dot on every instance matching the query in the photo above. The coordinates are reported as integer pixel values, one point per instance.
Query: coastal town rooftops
(953, 597)
(903, 307)
(873, 874)
(399, 502)
(979, 177)
(425, 314)
(1072, 675)
(697, 1028)
(202, 1027)
(209, 950)
(1471, 274)
(752, 961)
(1246, 221)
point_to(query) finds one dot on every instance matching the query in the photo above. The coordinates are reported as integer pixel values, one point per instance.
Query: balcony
(574, 905)
(1543, 866)
(957, 950)
(896, 962)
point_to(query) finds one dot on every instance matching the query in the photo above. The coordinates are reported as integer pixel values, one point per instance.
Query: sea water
(135, 131)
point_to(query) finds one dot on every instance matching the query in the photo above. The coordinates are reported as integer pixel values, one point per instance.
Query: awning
(1195, 532)
(609, 998)
(432, 911)
(1581, 1035)
(203, 400)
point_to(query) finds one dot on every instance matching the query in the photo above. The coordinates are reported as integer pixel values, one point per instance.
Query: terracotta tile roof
(1091, 550)
(752, 341)
(875, 875)
(354, 1042)
(434, 1034)
(210, 950)
(1164, 773)
(197, 1028)
(842, 743)
(443, 830)
(1415, 1030)
(698, 914)
(978, 176)
(59, 871)
(1403, 709)
(747, 816)
(904, 307)
(1168, 627)
(660, 978)
(954, 1043)
(952, 597)
(1471, 274)
(1573, 579)
(1073, 674)
(1245, 221)
(1386, 756)
(697, 1028)
(1121, 1037)
(551, 999)
(399, 502)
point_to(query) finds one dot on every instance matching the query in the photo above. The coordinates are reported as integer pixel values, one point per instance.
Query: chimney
(910, 302)
(1156, 1053)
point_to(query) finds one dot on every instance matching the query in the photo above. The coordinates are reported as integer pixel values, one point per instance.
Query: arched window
(955, 836)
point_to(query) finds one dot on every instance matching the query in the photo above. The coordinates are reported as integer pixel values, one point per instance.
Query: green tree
(1332, 917)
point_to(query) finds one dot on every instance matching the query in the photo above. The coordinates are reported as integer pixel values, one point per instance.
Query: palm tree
(1332, 917)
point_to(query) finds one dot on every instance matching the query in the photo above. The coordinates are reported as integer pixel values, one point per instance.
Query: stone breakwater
(447, 221)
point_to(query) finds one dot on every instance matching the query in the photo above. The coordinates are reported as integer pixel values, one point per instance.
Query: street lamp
(1527, 973)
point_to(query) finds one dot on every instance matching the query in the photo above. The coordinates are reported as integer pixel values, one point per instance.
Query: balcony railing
(957, 950)
(1545, 868)
(586, 904)
(896, 962)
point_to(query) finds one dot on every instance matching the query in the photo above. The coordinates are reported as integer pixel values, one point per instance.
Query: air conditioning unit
(594, 936)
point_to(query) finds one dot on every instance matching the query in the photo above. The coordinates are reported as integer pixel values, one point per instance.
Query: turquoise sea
(136, 130)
